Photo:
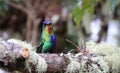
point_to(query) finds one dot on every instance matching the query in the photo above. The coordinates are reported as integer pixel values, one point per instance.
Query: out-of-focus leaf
(2, 13)
(69, 3)
(78, 13)
(112, 3)
(4, 5)
(17, 1)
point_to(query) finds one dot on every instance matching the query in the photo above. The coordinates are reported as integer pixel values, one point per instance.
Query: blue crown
(46, 22)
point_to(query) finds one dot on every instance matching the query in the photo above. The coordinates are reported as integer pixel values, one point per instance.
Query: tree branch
(16, 55)
(18, 6)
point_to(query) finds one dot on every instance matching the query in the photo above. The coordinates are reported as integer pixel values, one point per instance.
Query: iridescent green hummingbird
(48, 39)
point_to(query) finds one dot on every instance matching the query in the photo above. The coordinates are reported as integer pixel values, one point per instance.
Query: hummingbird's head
(48, 26)
(47, 22)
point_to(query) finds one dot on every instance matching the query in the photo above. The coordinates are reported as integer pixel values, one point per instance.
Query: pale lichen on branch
(21, 56)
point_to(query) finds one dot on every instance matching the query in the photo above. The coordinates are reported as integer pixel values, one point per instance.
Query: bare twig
(73, 44)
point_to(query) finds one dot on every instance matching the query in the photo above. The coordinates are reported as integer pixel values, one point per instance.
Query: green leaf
(87, 6)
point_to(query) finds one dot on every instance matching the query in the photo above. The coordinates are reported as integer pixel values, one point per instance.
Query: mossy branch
(16, 55)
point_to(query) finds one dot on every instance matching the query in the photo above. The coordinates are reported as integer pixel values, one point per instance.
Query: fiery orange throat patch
(49, 29)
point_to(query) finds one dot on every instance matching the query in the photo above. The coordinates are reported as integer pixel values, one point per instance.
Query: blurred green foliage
(78, 13)
(4, 6)
(112, 4)
(69, 3)
(88, 6)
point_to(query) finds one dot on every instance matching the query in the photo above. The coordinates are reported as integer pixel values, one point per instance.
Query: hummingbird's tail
(39, 48)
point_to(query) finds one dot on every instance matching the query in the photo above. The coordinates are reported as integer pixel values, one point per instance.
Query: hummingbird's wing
(39, 47)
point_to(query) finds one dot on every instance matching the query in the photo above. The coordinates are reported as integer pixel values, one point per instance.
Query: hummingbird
(48, 39)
